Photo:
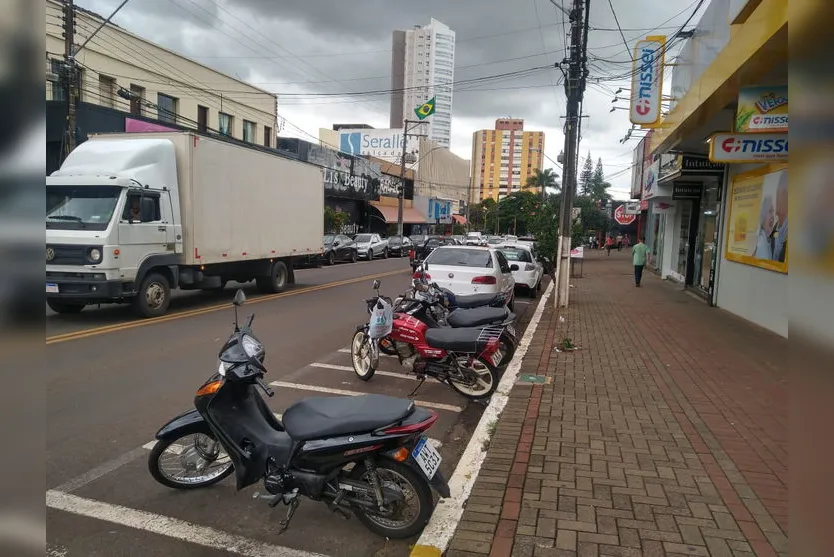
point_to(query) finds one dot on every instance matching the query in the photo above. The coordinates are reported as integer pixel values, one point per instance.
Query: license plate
(497, 357)
(427, 457)
(52, 288)
(511, 330)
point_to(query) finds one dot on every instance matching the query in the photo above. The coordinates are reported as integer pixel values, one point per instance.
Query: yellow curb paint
(425, 551)
(77, 335)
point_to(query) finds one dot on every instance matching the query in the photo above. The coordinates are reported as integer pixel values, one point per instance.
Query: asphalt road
(115, 380)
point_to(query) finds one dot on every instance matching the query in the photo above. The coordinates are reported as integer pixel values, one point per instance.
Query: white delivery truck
(131, 216)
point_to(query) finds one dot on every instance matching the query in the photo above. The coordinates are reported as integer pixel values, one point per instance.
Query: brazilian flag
(426, 109)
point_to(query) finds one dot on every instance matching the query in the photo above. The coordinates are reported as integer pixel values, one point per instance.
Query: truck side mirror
(148, 209)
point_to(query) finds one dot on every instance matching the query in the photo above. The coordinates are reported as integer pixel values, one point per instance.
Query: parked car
(338, 247)
(471, 270)
(420, 252)
(399, 246)
(370, 246)
(417, 239)
(527, 272)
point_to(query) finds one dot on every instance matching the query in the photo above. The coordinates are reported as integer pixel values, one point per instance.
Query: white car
(527, 272)
(471, 270)
(369, 246)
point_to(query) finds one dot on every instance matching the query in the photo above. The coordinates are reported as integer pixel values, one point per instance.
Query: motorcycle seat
(477, 316)
(454, 340)
(324, 417)
(475, 300)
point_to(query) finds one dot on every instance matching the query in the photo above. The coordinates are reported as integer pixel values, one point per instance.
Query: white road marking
(347, 351)
(171, 527)
(444, 521)
(378, 372)
(100, 471)
(328, 390)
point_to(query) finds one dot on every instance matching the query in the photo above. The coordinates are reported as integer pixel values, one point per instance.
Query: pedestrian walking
(609, 243)
(638, 257)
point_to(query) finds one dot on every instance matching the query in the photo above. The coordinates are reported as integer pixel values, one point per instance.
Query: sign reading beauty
(647, 81)
(622, 217)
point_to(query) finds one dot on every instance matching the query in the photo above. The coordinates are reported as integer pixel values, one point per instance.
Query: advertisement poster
(757, 222)
(762, 110)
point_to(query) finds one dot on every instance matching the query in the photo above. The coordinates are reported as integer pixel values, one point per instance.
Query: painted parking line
(377, 372)
(328, 390)
(169, 527)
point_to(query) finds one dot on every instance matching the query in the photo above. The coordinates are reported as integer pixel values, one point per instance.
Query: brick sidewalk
(665, 434)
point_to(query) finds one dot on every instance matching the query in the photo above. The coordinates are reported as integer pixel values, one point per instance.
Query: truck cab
(106, 229)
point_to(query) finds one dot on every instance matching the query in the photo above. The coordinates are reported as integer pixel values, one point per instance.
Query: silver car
(370, 246)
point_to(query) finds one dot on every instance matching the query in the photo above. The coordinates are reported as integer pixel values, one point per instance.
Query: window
(137, 95)
(249, 130)
(202, 118)
(107, 91)
(267, 136)
(56, 68)
(166, 108)
(134, 203)
(460, 257)
(226, 123)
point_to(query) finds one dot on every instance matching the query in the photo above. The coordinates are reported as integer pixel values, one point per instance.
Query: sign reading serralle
(757, 220)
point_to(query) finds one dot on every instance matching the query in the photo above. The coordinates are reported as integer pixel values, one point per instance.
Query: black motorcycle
(366, 454)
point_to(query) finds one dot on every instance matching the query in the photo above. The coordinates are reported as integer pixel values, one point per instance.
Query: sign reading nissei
(647, 81)
(748, 147)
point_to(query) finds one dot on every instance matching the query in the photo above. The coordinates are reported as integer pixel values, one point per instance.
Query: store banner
(762, 110)
(687, 190)
(748, 147)
(631, 208)
(670, 167)
(647, 81)
(757, 219)
(651, 187)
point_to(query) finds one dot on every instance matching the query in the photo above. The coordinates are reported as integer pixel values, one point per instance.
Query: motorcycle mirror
(240, 298)
(376, 284)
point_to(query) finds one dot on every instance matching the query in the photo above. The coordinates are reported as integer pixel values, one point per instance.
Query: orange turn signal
(210, 388)
(401, 454)
(116, 251)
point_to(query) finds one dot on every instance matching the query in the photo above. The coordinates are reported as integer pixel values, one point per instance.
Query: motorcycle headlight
(251, 346)
(223, 368)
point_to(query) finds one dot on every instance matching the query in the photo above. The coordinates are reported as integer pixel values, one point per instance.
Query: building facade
(422, 67)
(504, 158)
(716, 218)
(122, 73)
(442, 175)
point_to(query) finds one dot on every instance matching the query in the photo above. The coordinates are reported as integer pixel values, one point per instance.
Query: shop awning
(410, 214)
(460, 219)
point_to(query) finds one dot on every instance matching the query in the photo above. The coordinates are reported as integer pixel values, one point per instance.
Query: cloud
(301, 49)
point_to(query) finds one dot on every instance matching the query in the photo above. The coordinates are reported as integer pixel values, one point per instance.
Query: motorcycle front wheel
(481, 379)
(406, 516)
(364, 355)
(189, 462)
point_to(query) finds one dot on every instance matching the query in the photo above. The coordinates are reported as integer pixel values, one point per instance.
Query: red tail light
(411, 254)
(486, 279)
(412, 428)
(419, 274)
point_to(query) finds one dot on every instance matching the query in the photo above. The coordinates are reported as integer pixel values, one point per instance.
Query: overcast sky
(301, 49)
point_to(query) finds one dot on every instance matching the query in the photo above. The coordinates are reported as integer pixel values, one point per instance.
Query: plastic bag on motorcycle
(382, 319)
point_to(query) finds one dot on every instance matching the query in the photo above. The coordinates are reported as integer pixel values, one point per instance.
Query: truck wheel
(276, 281)
(60, 306)
(154, 296)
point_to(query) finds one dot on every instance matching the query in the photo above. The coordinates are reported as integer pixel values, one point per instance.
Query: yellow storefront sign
(757, 221)
(762, 110)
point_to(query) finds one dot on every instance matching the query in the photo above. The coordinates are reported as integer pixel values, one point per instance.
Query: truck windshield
(72, 207)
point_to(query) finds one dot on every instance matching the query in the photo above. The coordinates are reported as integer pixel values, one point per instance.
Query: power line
(622, 35)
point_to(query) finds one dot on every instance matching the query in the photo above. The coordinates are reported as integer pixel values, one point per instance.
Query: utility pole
(70, 74)
(401, 188)
(574, 91)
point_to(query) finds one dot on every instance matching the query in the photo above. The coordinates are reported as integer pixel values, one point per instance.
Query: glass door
(683, 237)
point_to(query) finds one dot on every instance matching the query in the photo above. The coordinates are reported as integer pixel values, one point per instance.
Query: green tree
(598, 187)
(546, 178)
(517, 211)
(334, 220)
(586, 177)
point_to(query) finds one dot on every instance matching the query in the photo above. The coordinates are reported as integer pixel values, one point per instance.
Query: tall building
(503, 159)
(422, 67)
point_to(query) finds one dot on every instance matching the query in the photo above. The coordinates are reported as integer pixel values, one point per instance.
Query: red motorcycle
(462, 357)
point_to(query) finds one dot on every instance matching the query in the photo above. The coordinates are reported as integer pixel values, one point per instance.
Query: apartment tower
(422, 67)
(503, 159)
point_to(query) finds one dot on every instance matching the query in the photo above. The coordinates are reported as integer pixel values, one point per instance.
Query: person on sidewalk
(639, 252)
(609, 243)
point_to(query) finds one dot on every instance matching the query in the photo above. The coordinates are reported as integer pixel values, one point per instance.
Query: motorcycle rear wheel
(362, 357)
(183, 448)
(402, 476)
(486, 383)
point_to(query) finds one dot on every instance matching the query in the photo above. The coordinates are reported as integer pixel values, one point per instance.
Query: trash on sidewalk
(537, 379)
(566, 345)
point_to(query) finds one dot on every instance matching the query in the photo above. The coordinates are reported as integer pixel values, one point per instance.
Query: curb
(444, 521)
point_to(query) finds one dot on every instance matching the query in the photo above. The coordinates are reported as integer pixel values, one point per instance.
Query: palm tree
(542, 179)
